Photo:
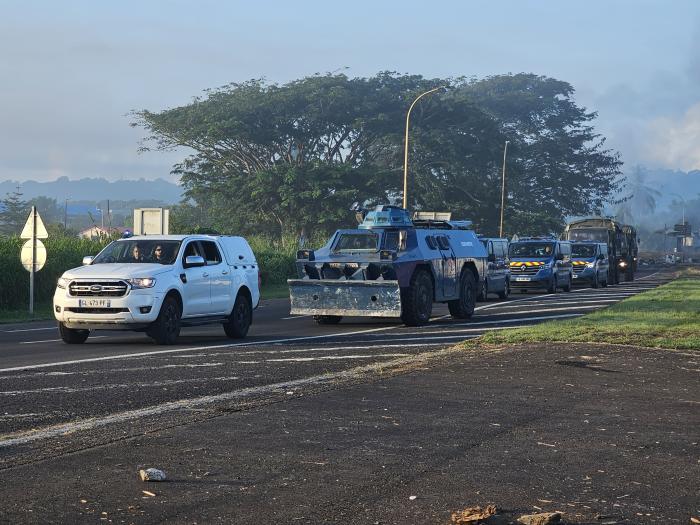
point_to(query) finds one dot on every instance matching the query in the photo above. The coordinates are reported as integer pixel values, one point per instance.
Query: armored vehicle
(590, 260)
(621, 249)
(391, 266)
(540, 262)
(497, 279)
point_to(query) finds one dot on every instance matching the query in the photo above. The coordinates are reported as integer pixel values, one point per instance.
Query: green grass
(665, 317)
(42, 312)
(274, 291)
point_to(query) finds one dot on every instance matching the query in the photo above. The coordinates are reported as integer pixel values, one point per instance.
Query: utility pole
(503, 188)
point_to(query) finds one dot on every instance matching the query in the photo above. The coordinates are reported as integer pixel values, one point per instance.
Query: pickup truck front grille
(98, 288)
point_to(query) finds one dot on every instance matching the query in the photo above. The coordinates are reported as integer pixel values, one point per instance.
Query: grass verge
(274, 291)
(665, 317)
(42, 312)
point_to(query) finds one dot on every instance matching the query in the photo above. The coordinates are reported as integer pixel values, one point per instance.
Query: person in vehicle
(136, 255)
(159, 255)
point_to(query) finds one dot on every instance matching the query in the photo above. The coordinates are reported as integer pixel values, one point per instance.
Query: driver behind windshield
(136, 255)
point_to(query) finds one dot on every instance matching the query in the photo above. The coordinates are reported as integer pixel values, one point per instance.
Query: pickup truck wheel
(72, 336)
(328, 319)
(463, 308)
(240, 319)
(417, 300)
(506, 291)
(166, 328)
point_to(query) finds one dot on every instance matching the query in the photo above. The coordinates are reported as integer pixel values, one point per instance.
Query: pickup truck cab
(159, 283)
(590, 260)
(540, 262)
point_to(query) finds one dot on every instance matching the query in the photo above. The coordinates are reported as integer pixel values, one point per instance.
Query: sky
(71, 71)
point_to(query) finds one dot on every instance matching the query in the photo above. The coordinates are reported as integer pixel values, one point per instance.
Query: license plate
(522, 278)
(94, 303)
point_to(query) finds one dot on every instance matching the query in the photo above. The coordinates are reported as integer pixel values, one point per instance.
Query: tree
(291, 158)
(13, 213)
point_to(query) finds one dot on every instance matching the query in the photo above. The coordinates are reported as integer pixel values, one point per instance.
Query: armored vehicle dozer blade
(345, 298)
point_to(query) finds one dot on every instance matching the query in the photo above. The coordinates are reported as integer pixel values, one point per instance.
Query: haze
(72, 71)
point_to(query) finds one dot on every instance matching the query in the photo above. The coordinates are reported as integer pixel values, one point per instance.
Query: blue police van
(590, 262)
(540, 262)
(497, 279)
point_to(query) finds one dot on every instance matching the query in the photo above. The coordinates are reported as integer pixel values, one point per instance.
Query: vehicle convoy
(157, 284)
(621, 240)
(391, 266)
(590, 260)
(540, 262)
(497, 279)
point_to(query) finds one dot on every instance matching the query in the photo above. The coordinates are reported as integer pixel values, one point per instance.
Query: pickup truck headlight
(142, 282)
(62, 282)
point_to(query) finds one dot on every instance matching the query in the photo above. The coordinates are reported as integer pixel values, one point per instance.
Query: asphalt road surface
(57, 399)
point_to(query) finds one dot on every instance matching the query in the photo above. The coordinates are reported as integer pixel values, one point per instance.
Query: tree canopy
(293, 157)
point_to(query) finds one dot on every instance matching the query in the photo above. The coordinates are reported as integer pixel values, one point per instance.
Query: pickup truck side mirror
(491, 257)
(87, 260)
(192, 261)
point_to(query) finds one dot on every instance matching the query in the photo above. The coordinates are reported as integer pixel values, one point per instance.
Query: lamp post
(503, 188)
(405, 151)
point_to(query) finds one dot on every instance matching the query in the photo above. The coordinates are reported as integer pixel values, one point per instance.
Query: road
(121, 380)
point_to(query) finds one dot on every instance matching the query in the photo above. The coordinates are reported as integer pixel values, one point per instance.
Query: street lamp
(503, 188)
(405, 151)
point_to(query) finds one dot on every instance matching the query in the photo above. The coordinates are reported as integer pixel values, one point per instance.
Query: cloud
(675, 143)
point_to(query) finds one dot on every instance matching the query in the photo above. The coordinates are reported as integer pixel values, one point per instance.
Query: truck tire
(629, 276)
(417, 300)
(72, 336)
(595, 282)
(166, 328)
(463, 308)
(240, 319)
(552, 288)
(506, 291)
(328, 319)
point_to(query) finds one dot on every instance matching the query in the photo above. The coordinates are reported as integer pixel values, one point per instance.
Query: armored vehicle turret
(391, 266)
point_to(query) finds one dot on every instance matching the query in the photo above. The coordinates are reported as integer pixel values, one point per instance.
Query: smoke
(676, 142)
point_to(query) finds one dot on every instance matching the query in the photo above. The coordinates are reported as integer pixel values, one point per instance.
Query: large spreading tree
(292, 158)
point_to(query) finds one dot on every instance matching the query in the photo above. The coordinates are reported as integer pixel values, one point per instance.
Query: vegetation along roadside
(665, 317)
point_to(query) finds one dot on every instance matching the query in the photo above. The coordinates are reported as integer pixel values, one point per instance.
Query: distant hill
(96, 189)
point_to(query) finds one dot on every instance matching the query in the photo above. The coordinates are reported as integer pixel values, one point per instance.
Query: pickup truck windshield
(531, 249)
(357, 242)
(139, 251)
(583, 250)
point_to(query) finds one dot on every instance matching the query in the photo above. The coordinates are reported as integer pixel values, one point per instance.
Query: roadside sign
(34, 223)
(26, 256)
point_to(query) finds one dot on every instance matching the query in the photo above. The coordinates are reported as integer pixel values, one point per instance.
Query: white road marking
(20, 438)
(30, 329)
(331, 358)
(191, 349)
(56, 340)
(294, 317)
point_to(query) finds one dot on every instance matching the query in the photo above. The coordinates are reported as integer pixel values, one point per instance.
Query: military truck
(622, 251)
(391, 266)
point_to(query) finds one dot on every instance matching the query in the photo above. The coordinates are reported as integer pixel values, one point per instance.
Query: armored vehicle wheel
(72, 336)
(166, 328)
(506, 291)
(567, 288)
(240, 319)
(552, 288)
(417, 300)
(463, 308)
(328, 319)
(483, 292)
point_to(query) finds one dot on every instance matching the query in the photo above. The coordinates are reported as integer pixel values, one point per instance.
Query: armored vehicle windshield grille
(98, 288)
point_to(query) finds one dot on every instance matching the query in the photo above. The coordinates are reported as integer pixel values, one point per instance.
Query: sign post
(33, 254)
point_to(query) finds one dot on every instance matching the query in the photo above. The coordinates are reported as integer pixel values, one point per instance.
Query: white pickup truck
(157, 284)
